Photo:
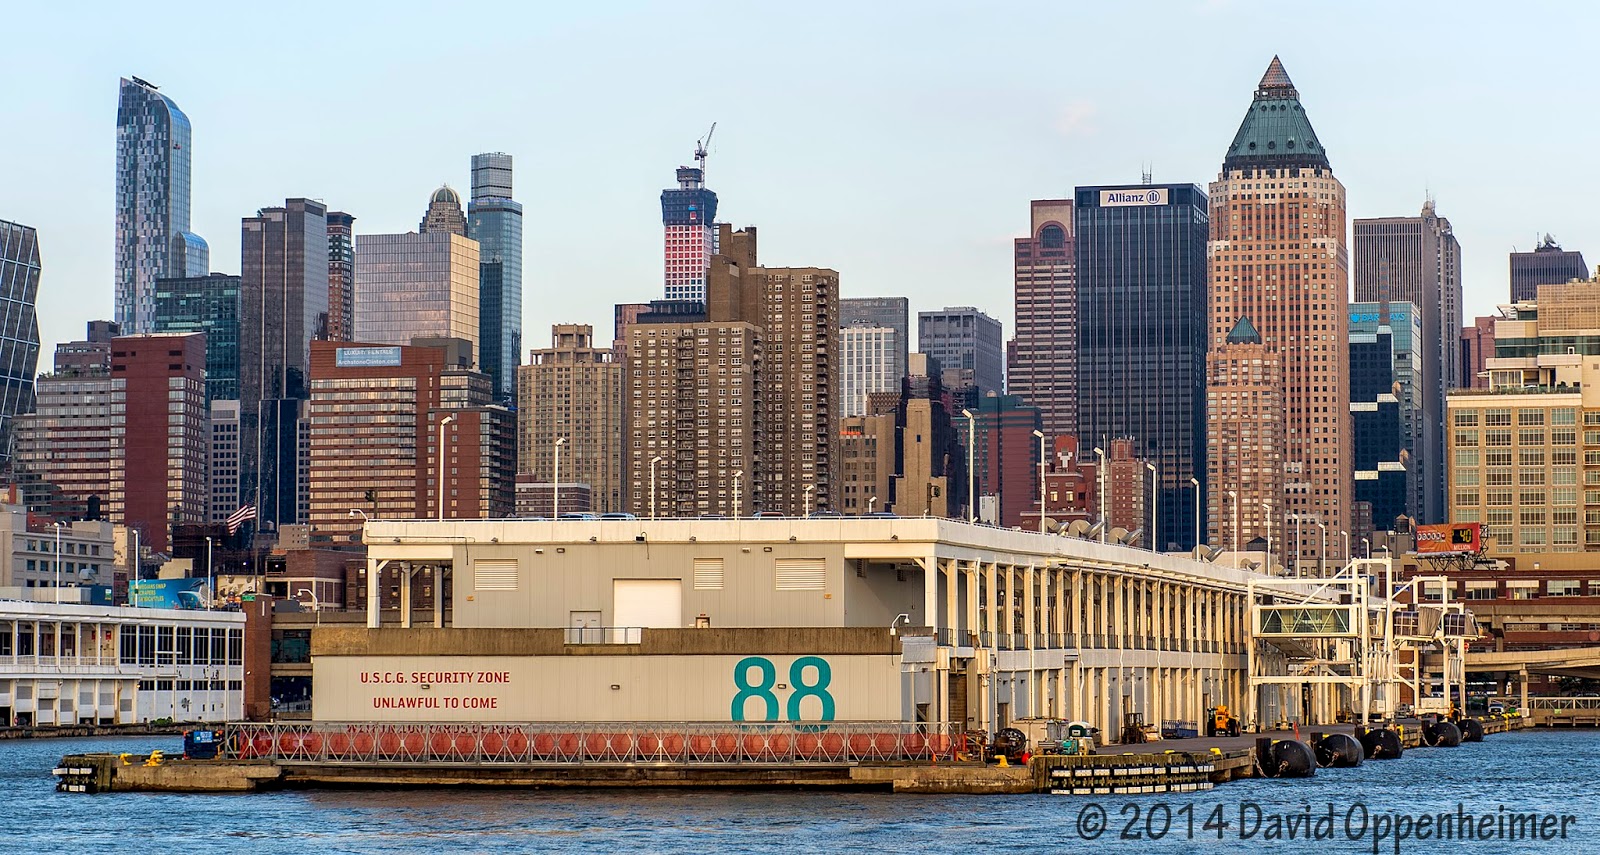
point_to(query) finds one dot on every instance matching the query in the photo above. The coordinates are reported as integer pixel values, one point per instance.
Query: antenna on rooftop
(1146, 174)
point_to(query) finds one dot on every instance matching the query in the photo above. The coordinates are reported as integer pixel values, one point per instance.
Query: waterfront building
(341, 276)
(1059, 641)
(1043, 363)
(69, 664)
(968, 345)
(572, 391)
(19, 327)
(417, 285)
(159, 454)
(883, 313)
(283, 307)
(688, 217)
(494, 220)
(1477, 345)
(1386, 415)
(30, 560)
(1278, 429)
(1547, 264)
(1417, 260)
(154, 148)
(1140, 261)
(210, 305)
(378, 418)
(867, 365)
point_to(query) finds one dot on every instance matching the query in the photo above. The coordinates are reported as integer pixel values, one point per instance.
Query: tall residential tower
(688, 214)
(1044, 363)
(1278, 429)
(19, 326)
(153, 238)
(494, 220)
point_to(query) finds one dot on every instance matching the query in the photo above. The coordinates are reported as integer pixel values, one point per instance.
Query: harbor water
(1529, 772)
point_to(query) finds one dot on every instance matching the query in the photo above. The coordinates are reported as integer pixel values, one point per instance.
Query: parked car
(618, 516)
(767, 515)
(884, 515)
(579, 517)
(825, 514)
(1497, 707)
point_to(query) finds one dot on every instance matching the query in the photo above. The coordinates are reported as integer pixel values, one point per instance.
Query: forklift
(1219, 722)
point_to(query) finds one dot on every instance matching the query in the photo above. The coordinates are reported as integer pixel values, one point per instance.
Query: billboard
(1449, 537)
(167, 594)
(1135, 197)
(367, 357)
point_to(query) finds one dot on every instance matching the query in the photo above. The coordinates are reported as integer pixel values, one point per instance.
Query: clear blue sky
(898, 143)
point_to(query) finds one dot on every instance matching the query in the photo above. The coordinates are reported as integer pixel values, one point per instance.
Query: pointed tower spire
(1275, 132)
(1276, 77)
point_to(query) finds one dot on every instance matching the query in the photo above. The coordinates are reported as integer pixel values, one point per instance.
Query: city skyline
(800, 191)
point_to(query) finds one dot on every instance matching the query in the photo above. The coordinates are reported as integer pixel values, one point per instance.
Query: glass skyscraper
(153, 238)
(208, 304)
(494, 220)
(1387, 406)
(19, 327)
(1140, 258)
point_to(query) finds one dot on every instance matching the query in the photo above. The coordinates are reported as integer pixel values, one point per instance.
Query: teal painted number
(822, 675)
(816, 689)
(762, 691)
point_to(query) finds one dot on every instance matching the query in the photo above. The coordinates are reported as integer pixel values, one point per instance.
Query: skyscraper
(208, 304)
(1548, 264)
(1140, 258)
(688, 215)
(891, 312)
(153, 238)
(444, 213)
(19, 326)
(1043, 368)
(572, 390)
(968, 345)
(1386, 414)
(160, 458)
(418, 285)
(283, 296)
(866, 366)
(341, 276)
(1417, 260)
(1278, 429)
(494, 220)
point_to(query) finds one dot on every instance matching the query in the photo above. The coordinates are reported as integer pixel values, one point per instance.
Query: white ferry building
(65, 664)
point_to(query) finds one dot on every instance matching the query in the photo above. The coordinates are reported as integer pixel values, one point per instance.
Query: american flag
(245, 512)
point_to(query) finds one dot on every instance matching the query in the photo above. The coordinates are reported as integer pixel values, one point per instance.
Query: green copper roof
(1244, 332)
(1276, 132)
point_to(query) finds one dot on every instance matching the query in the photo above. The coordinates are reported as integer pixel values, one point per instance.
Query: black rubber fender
(1471, 730)
(1339, 751)
(1441, 734)
(1382, 744)
(1290, 758)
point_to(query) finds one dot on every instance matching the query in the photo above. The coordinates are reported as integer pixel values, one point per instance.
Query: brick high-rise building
(1006, 456)
(1043, 365)
(572, 390)
(1278, 430)
(1128, 494)
(66, 441)
(377, 421)
(159, 453)
(341, 276)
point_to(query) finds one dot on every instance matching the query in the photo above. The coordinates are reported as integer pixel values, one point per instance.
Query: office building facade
(417, 285)
(154, 147)
(1279, 280)
(866, 366)
(1547, 264)
(572, 391)
(883, 312)
(19, 327)
(210, 305)
(1386, 416)
(159, 454)
(968, 345)
(1417, 260)
(1042, 366)
(1006, 456)
(224, 458)
(1140, 260)
(494, 220)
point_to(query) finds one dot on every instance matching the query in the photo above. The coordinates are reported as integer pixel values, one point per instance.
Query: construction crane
(700, 150)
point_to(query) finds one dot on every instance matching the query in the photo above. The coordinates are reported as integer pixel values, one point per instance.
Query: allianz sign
(1126, 198)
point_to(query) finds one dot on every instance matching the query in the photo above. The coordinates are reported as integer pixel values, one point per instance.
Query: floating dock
(1173, 766)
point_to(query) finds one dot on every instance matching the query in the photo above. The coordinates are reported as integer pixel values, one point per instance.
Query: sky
(897, 143)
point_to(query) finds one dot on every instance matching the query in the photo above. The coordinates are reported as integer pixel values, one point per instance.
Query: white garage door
(655, 603)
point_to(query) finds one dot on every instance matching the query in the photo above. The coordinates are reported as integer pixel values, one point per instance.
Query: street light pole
(972, 438)
(211, 580)
(736, 477)
(316, 604)
(1322, 555)
(1100, 476)
(1297, 543)
(555, 491)
(1267, 506)
(653, 462)
(872, 500)
(807, 505)
(1346, 535)
(1196, 482)
(58, 563)
(1040, 435)
(1235, 497)
(442, 424)
(1155, 505)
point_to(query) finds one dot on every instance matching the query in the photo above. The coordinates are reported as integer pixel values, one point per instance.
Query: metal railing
(672, 743)
(604, 634)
